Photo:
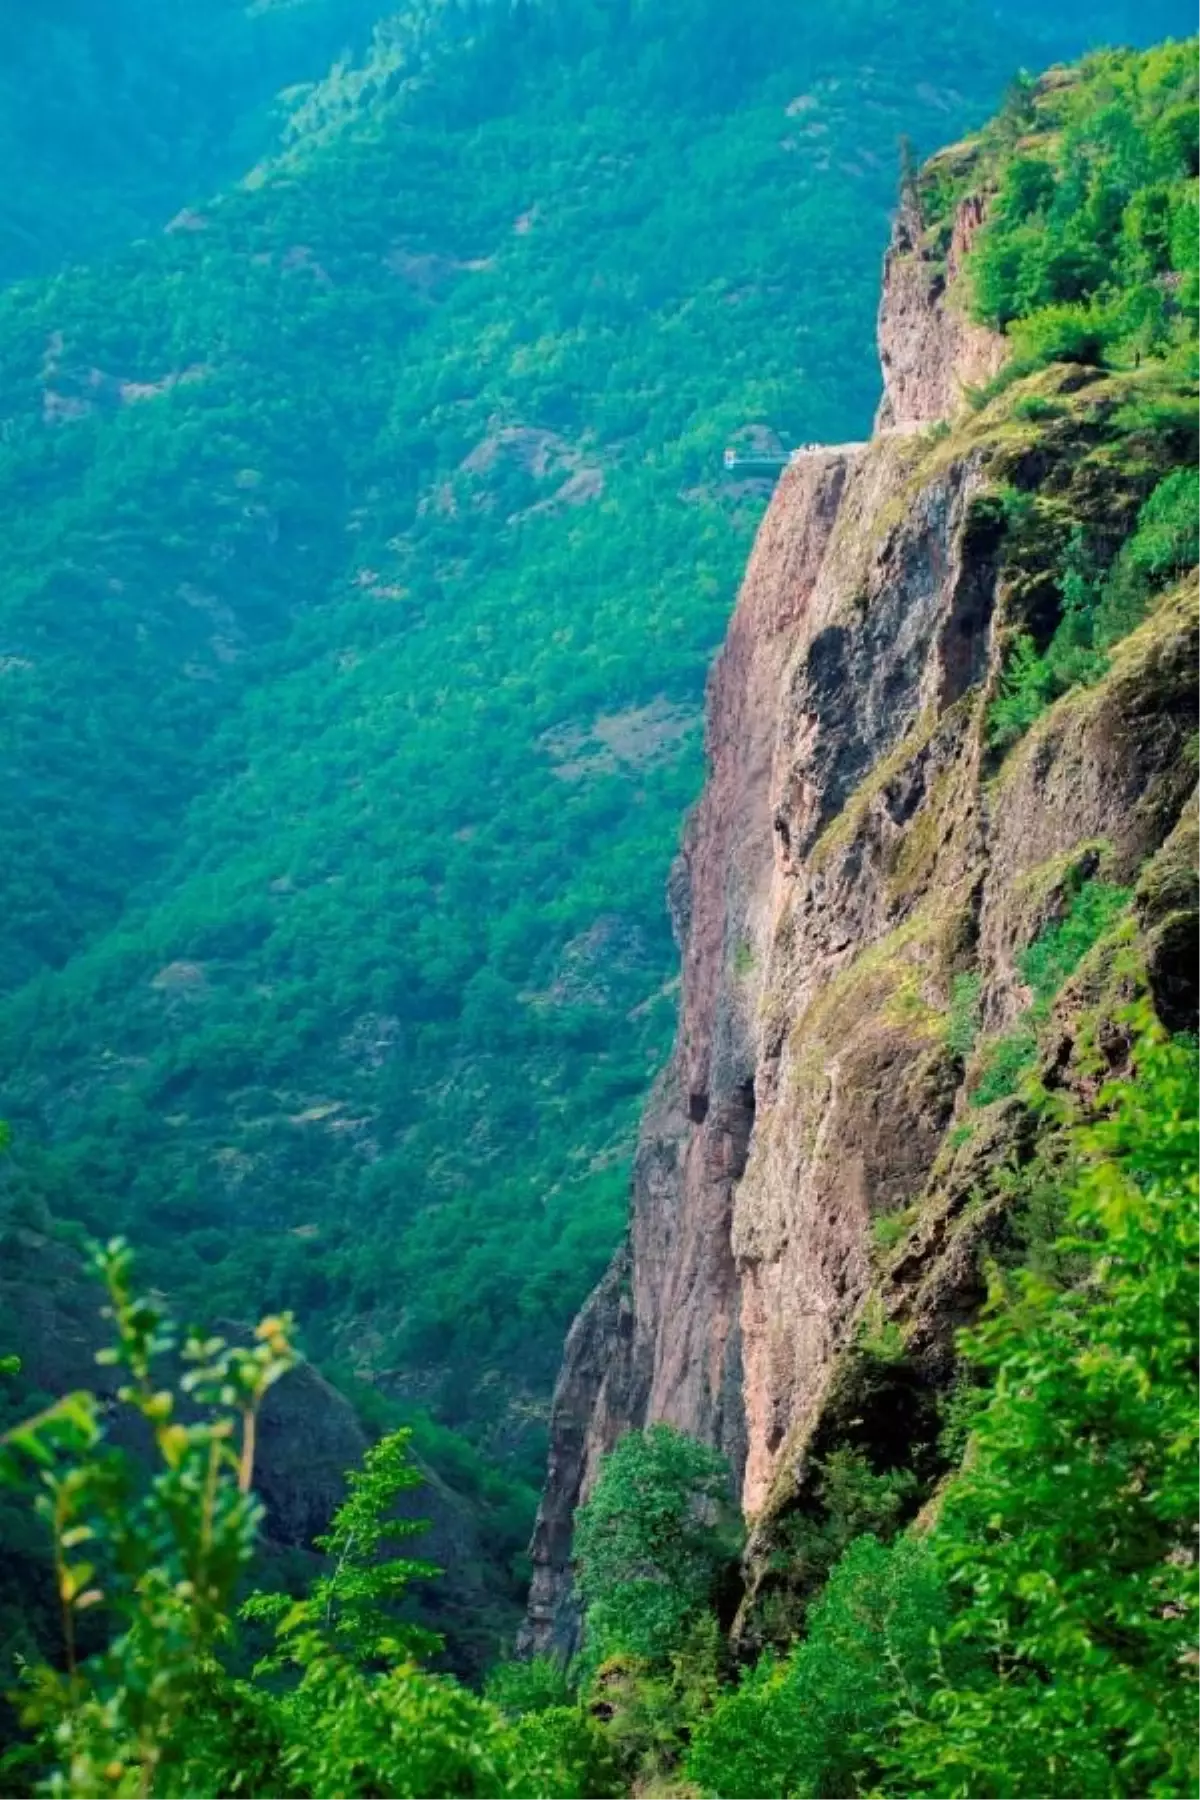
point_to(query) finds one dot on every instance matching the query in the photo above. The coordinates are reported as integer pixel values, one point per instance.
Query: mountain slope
(112, 120)
(936, 1066)
(369, 550)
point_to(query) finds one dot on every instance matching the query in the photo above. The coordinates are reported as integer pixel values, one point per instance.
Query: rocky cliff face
(929, 350)
(857, 851)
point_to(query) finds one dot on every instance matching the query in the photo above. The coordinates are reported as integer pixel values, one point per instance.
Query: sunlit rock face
(858, 847)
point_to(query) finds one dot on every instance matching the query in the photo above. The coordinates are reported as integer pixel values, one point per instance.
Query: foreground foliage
(1033, 1638)
(798, 1725)
(1068, 1542)
(1036, 1638)
(158, 1554)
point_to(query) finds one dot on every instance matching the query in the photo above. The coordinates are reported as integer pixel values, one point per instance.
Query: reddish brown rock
(857, 846)
(930, 350)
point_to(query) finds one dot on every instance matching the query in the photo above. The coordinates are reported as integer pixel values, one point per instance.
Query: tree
(158, 1550)
(805, 1726)
(1068, 1539)
(1166, 542)
(651, 1543)
(351, 1608)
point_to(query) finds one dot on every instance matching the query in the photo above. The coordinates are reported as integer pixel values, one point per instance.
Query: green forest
(363, 388)
(369, 546)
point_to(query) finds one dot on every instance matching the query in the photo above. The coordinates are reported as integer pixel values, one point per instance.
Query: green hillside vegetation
(1090, 244)
(1086, 260)
(1033, 1637)
(368, 549)
(112, 119)
(115, 120)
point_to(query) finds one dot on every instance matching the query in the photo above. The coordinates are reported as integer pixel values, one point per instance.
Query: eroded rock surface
(859, 846)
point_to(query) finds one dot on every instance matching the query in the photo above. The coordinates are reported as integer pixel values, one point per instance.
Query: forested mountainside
(368, 545)
(873, 1456)
(114, 117)
(938, 915)
(367, 550)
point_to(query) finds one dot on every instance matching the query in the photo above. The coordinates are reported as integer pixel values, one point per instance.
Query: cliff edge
(824, 1162)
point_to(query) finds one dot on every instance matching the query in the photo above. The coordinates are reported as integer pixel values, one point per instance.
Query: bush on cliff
(804, 1726)
(1068, 1540)
(1099, 606)
(652, 1543)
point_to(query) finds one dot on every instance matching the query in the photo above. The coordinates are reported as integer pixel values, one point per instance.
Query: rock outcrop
(860, 851)
(929, 349)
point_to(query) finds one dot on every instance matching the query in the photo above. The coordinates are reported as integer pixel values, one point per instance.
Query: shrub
(888, 1228)
(1065, 1537)
(1071, 333)
(1025, 691)
(805, 1726)
(1167, 539)
(850, 1499)
(520, 1688)
(1045, 964)
(563, 1754)
(1030, 682)
(1007, 1060)
(651, 1543)
(1061, 946)
(1036, 407)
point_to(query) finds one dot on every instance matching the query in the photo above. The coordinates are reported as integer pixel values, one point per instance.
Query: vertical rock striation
(929, 350)
(856, 848)
(660, 1336)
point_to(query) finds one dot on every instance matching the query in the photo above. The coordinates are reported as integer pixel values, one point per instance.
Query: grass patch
(744, 959)
(1050, 959)
(963, 1026)
(1058, 950)
(1009, 1059)
(889, 1228)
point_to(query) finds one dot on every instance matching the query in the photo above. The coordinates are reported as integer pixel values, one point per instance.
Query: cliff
(821, 1168)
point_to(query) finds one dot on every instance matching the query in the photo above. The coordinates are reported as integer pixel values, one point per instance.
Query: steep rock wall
(857, 847)
(660, 1337)
(930, 352)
